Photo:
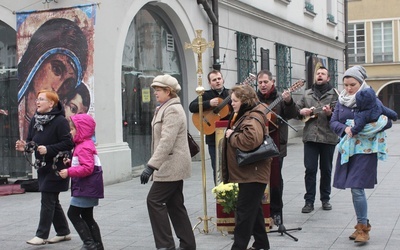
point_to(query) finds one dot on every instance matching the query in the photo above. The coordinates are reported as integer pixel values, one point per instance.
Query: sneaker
(326, 205)
(57, 239)
(36, 241)
(277, 219)
(307, 208)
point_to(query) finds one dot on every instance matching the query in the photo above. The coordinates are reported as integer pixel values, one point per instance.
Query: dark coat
(369, 108)
(361, 169)
(57, 138)
(286, 111)
(207, 96)
(249, 135)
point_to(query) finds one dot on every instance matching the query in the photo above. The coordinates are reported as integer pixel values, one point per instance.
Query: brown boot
(362, 233)
(354, 235)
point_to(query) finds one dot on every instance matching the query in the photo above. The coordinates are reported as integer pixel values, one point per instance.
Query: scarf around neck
(350, 100)
(40, 120)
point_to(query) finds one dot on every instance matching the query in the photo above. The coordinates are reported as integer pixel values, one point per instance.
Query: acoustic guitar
(217, 113)
(316, 110)
(270, 116)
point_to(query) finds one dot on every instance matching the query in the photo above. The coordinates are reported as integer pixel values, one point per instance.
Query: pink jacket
(85, 171)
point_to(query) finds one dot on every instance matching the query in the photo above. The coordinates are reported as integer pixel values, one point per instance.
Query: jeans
(51, 212)
(360, 205)
(212, 152)
(313, 151)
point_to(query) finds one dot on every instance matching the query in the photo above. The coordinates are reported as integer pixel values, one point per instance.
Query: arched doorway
(12, 164)
(151, 49)
(390, 96)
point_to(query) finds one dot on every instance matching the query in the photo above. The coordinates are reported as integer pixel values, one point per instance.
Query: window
(151, 49)
(12, 164)
(264, 58)
(356, 48)
(330, 11)
(333, 72)
(246, 55)
(283, 66)
(382, 42)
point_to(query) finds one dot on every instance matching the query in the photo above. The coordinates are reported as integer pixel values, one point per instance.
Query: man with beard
(278, 130)
(319, 140)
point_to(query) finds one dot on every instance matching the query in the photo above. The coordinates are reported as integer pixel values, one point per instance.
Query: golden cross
(199, 46)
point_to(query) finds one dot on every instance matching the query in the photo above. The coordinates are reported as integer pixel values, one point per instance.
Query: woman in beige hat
(169, 165)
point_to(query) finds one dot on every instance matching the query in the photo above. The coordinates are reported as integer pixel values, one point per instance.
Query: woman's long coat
(361, 169)
(169, 146)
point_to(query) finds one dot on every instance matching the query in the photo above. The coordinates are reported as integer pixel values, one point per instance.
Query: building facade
(135, 40)
(374, 42)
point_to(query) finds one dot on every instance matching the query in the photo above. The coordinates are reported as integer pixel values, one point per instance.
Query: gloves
(147, 172)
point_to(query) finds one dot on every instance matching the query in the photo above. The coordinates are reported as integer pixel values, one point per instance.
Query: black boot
(86, 236)
(95, 230)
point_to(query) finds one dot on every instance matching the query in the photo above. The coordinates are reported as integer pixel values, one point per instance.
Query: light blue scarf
(370, 140)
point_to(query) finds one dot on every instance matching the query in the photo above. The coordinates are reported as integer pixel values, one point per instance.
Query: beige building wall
(381, 76)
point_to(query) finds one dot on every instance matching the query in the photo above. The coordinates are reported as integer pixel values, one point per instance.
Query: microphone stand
(281, 228)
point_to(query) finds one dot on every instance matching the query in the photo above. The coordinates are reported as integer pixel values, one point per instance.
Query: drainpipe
(346, 35)
(212, 13)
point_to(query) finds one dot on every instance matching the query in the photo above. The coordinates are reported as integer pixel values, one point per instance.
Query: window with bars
(382, 42)
(283, 66)
(356, 45)
(246, 55)
(333, 71)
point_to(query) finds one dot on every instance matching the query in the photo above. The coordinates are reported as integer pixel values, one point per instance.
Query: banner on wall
(55, 51)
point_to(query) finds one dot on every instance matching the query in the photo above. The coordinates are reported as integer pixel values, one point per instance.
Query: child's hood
(85, 127)
(366, 99)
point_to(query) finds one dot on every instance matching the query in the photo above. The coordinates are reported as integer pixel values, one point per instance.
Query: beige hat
(166, 81)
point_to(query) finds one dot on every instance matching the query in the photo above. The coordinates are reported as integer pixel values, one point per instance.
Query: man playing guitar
(211, 99)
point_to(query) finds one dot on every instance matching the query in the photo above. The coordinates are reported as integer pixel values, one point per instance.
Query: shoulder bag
(266, 150)
(193, 146)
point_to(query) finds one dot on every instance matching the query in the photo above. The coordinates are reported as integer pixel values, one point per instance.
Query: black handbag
(266, 150)
(193, 146)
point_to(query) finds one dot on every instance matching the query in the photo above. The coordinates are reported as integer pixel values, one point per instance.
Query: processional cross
(199, 46)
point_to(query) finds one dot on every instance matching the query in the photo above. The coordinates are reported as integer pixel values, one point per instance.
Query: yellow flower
(226, 195)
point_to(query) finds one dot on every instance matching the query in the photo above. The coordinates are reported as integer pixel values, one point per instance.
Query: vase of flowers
(226, 195)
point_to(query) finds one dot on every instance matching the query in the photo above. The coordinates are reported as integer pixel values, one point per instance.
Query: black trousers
(250, 217)
(313, 153)
(164, 202)
(51, 212)
(276, 190)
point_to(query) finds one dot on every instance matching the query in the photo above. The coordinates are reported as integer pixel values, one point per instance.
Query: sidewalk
(124, 222)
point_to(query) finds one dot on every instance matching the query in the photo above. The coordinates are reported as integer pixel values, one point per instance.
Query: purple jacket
(85, 171)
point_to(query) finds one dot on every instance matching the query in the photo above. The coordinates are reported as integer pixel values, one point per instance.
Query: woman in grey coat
(169, 164)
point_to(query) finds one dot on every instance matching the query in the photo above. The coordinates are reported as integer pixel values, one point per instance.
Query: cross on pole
(199, 45)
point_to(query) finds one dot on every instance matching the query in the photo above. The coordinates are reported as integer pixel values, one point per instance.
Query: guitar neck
(217, 109)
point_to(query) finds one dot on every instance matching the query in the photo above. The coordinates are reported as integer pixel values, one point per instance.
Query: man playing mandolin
(283, 105)
(212, 99)
(319, 140)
